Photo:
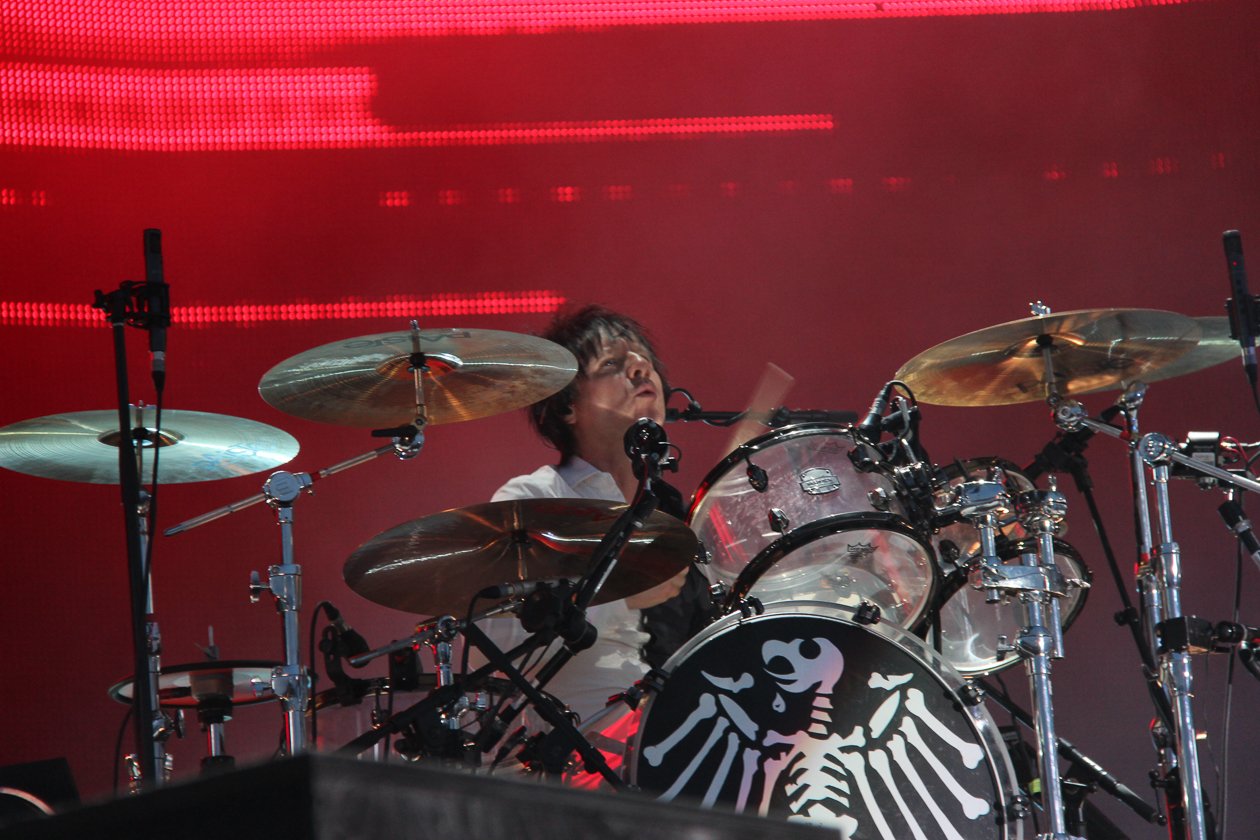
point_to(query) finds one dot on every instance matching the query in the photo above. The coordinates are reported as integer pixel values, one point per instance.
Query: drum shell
(812, 475)
(892, 569)
(663, 716)
(970, 627)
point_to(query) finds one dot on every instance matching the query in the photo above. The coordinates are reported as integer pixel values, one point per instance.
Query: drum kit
(864, 592)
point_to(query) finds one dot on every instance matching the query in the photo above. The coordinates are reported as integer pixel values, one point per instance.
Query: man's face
(618, 386)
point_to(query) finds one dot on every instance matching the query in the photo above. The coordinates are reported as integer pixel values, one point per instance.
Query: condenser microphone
(1239, 306)
(157, 297)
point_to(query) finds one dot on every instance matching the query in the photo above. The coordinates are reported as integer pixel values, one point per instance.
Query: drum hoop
(997, 758)
(950, 471)
(825, 527)
(748, 448)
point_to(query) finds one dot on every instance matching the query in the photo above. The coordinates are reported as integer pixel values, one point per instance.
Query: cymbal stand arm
(399, 446)
(1175, 665)
(290, 681)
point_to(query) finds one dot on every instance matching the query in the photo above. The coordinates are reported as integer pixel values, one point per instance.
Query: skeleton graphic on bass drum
(805, 713)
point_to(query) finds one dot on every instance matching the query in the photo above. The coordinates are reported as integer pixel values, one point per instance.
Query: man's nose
(638, 367)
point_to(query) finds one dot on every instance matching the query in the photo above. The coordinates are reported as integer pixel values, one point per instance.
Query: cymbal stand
(290, 681)
(1175, 630)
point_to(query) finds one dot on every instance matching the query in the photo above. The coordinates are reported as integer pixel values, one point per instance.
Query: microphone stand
(130, 305)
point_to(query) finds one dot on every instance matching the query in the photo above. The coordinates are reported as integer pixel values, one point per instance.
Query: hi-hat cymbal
(1091, 349)
(238, 682)
(435, 565)
(196, 446)
(367, 381)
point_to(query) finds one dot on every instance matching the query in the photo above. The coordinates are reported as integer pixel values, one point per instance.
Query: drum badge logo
(817, 481)
(772, 740)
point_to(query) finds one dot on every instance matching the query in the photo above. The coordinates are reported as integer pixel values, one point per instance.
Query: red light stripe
(198, 30)
(38, 314)
(301, 108)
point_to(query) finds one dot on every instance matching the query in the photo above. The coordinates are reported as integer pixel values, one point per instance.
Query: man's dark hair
(583, 331)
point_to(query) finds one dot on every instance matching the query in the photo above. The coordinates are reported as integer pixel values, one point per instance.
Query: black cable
(1223, 783)
(310, 641)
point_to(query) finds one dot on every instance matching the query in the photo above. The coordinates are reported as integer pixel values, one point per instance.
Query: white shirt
(613, 663)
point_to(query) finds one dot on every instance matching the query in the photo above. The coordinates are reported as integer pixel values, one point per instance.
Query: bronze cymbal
(1215, 347)
(1092, 350)
(367, 381)
(196, 446)
(214, 682)
(435, 565)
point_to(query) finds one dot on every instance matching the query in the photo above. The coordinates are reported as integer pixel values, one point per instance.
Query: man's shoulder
(544, 482)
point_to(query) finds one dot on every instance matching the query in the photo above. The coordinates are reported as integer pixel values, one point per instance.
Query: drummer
(619, 380)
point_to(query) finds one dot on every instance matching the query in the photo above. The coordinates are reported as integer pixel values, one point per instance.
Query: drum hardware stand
(1168, 632)
(1035, 582)
(289, 681)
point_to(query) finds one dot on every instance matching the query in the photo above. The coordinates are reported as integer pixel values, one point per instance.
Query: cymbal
(1215, 347)
(196, 446)
(435, 565)
(1092, 350)
(367, 381)
(190, 685)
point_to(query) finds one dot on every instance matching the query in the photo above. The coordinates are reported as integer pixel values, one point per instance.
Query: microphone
(1237, 521)
(349, 640)
(646, 440)
(1239, 306)
(516, 589)
(872, 423)
(157, 296)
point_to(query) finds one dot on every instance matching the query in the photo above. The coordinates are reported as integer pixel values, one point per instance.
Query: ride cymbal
(435, 565)
(196, 446)
(1091, 350)
(368, 382)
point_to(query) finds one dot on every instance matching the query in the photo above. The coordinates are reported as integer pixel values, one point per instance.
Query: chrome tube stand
(1039, 586)
(290, 681)
(1175, 666)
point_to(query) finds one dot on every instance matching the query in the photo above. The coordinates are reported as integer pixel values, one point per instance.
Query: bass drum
(970, 627)
(802, 712)
(802, 513)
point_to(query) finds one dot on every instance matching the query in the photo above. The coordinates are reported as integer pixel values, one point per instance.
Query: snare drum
(804, 513)
(804, 713)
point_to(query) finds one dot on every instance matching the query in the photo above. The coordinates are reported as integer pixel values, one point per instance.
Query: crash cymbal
(188, 686)
(1092, 350)
(1215, 347)
(196, 446)
(435, 565)
(367, 381)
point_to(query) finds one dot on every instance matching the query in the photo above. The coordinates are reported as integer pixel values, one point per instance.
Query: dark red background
(1087, 159)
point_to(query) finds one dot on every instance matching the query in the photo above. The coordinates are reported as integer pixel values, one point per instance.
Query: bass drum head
(803, 713)
(970, 627)
(847, 559)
